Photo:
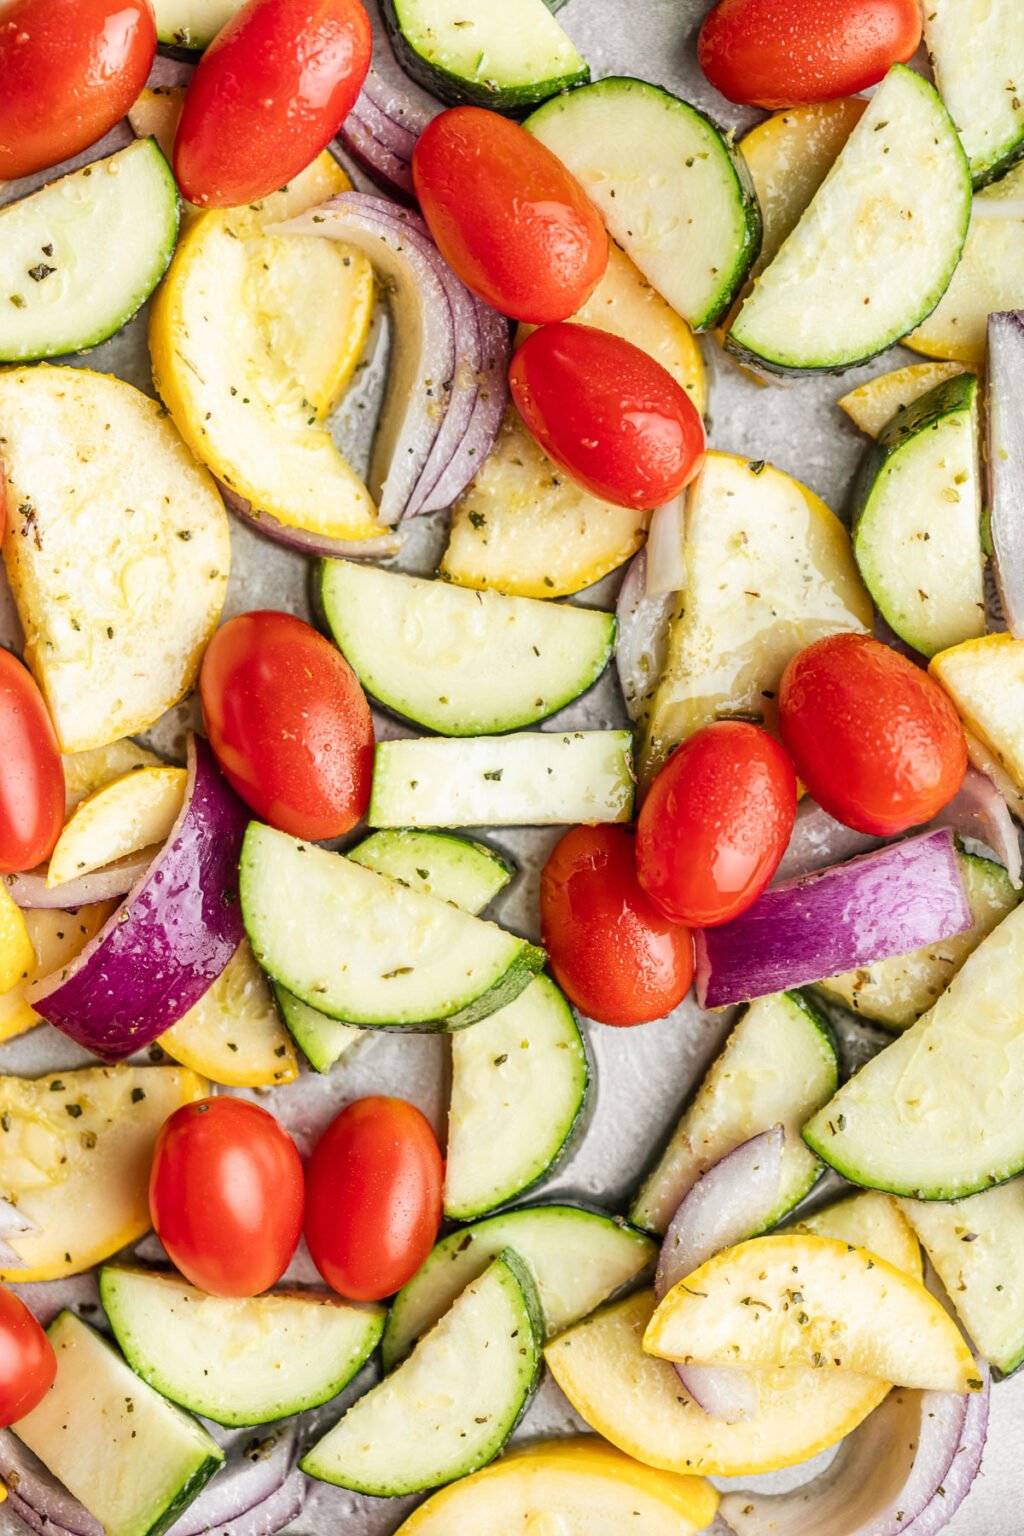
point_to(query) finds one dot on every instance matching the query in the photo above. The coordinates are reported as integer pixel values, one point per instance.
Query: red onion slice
(1006, 458)
(169, 72)
(666, 563)
(907, 1468)
(886, 903)
(37, 1497)
(30, 889)
(391, 169)
(642, 636)
(395, 97)
(257, 1489)
(176, 931)
(315, 544)
(979, 811)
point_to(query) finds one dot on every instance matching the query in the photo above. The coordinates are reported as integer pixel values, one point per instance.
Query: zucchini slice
(578, 1258)
(460, 662)
(674, 194)
(917, 519)
(134, 1460)
(985, 680)
(321, 1039)
(80, 256)
(788, 157)
(449, 1408)
(977, 1249)
(192, 23)
(977, 54)
(362, 948)
(896, 992)
(237, 1360)
(505, 54)
(778, 1065)
(935, 1115)
(875, 250)
(519, 1081)
(531, 779)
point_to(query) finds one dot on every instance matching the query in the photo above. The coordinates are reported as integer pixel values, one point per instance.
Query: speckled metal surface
(642, 1075)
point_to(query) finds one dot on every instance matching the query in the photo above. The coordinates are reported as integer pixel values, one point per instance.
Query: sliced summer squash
(56, 938)
(917, 520)
(578, 1258)
(505, 54)
(852, 1311)
(461, 662)
(17, 956)
(519, 1081)
(453, 1403)
(192, 23)
(896, 992)
(778, 1065)
(769, 570)
(673, 193)
(124, 816)
(362, 948)
(637, 1402)
(233, 1035)
(117, 606)
(873, 405)
(872, 1221)
(876, 248)
(977, 53)
(990, 277)
(934, 1116)
(252, 338)
(77, 1151)
(531, 779)
(985, 680)
(237, 1361)
(86, 772)
(977, 1251)
(79, 257)
(134, 1460)
(584, 1487)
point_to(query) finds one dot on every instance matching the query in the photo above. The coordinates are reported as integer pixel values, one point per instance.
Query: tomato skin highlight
(28, 1364)
(31, 773)
(877, 742)
(289, 724)
(508, 217)
(226, 1195)
(70, 71)
(373, 1205)
(715, 824)
(788, 53)
(617, 959)
(267, 96)
(608, 414)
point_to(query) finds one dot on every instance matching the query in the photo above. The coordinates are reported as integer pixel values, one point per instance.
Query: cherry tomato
(70, 71)
(31, 773)
(373, 1198)
(715, 824)
(874, 738)
(289, 724)
(226, 1195)
(783, 53)
(611, 951)
(268, 95)
(608, 414)
(27, 1361)
(508, 217)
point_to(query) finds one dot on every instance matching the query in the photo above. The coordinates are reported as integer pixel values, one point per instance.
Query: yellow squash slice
(155, 113)
(869, 1220)
(875, 403)
(817, 1302)
(17, 956)
(56, 938)
(788, 156)
(234, 1033)
(985, 680)
(85, 772)
(77, 1147)
(133, 812)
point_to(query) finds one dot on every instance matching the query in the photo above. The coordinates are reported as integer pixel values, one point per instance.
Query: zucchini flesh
(674, 195)
(578, 1259)
(917, 529)
(519, 1080)
(977, 53)
(875, 250)
(192, 23)
(450, 1407)
(936, 1115)
(778, 1065)
(460, 662)
(79, 257)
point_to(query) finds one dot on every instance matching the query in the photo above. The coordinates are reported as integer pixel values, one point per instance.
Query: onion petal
(666, 565)
(642, 636)
(1006, 454)
(30, 889)
(979, 811)
(306, 543)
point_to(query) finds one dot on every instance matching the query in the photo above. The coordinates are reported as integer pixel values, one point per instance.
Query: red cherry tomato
(508, 217)
(373, 1198)
(715, 824)
(874, 738)
(226, 1195)
(70, 71)
(782, 53)
(289, 724)
(611, 951)
(608, 414)
(31, 774)
(268, 95)
(27, 1361)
